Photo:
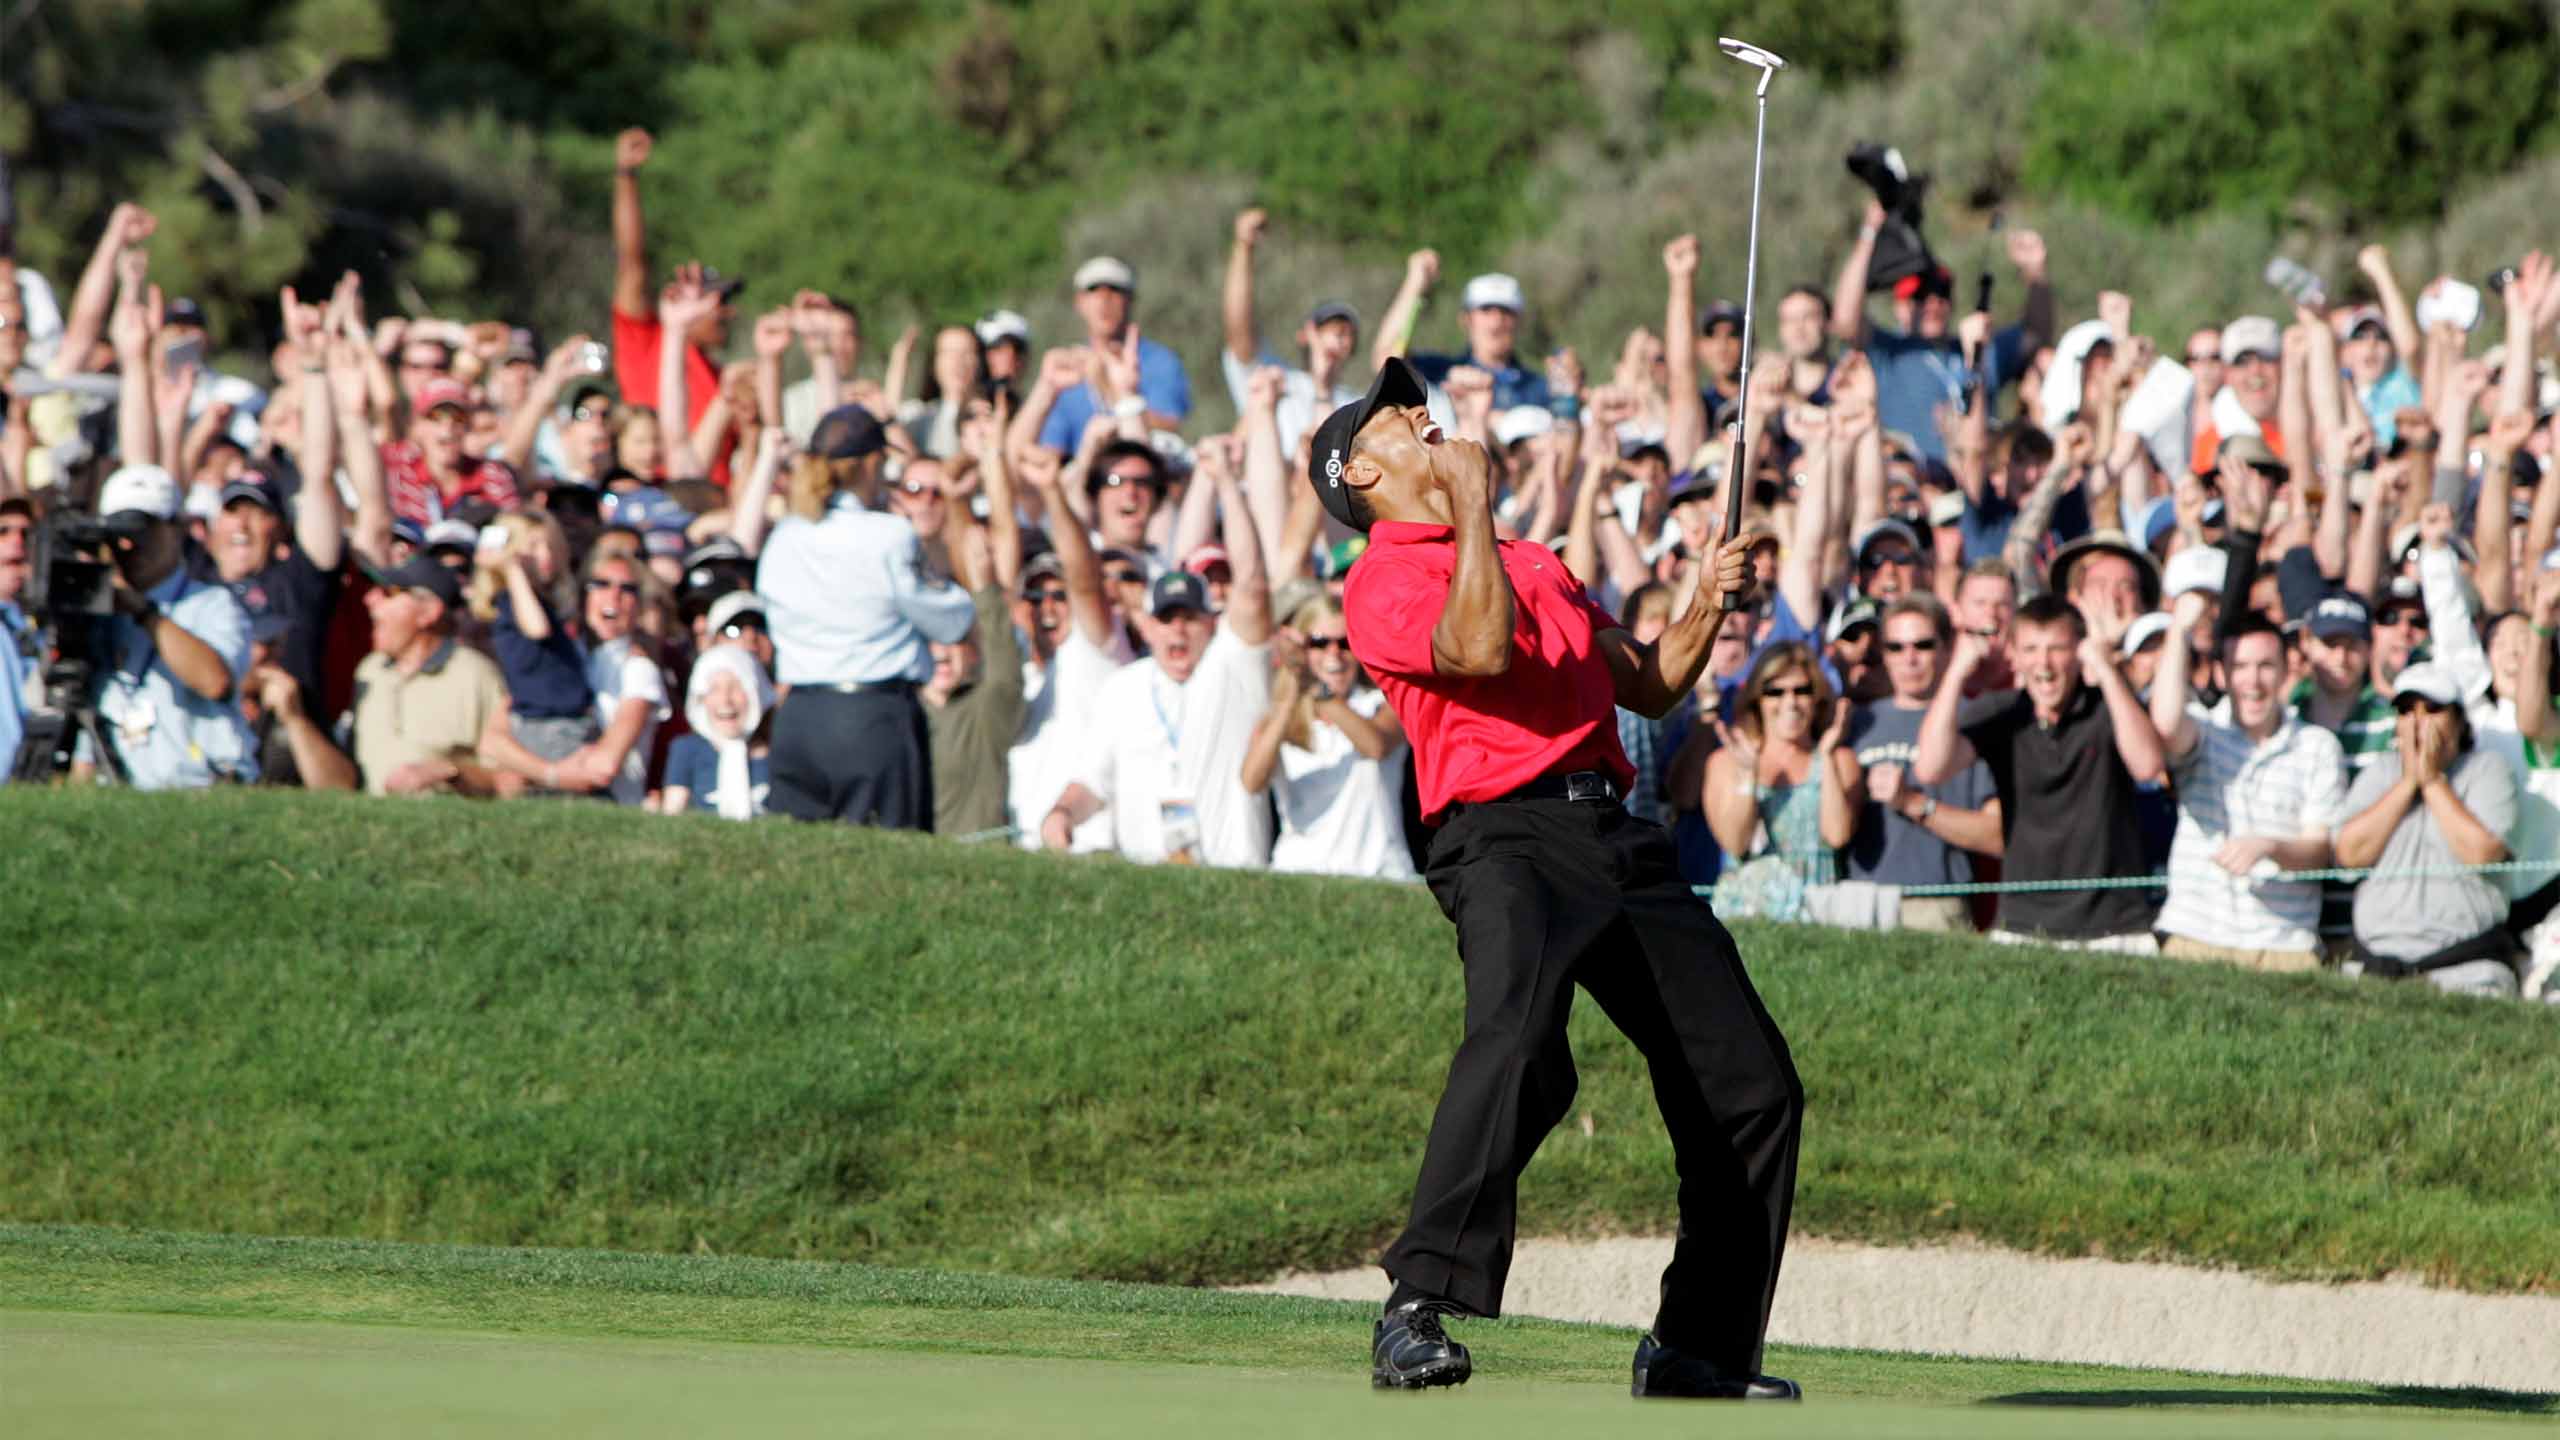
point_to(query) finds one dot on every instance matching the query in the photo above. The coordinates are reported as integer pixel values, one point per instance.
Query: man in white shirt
(2259, 791)
(1167, 737)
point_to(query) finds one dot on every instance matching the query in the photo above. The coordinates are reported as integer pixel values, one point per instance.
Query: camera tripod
(53, 732)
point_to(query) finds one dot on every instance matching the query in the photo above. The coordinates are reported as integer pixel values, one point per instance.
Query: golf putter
(1737, 472)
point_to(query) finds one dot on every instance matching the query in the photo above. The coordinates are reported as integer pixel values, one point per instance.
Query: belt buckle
(1584, 785)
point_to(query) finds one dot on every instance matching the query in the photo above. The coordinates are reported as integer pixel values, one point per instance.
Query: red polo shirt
(1475, 738)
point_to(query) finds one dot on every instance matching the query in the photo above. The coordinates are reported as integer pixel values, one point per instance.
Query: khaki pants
(1937, 914)
(2276, 962)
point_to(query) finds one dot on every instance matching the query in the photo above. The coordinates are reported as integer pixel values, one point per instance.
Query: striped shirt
(2290, 785)
(2367, 731)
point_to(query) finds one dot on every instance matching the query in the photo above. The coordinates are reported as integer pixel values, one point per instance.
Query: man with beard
(2067, 750)
(2259, 791)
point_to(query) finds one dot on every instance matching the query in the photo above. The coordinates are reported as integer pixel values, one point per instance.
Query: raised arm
(136, 324)
(1937, 751)
(128, 226)
(2102, 664)
(995, 477)
(1801, 569)
(1849, 291)
(1248, 615)
(1685, 428)
(1087, 608)
(351, 398)
(319, 516)
(1653, 679)
(2397, 317)
(1266, 471)
(1395, 332)
(1060, 370)
(2493, 527)
(2534, 715)
(1235, 307)
(2035, 315)
(684, 301)
(750, 503)
(2173, 685)
(630, 231)
(1473, 636)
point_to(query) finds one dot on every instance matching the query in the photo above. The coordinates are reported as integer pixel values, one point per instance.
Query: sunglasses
(1110, 478)
(919, 487)
(1124, 577)
(1899, 559)
(1784, 692)
(2414, 619)
(737, 629)
(1897, 647)
(2418, 705)
(623, 586)
(1045, 597)
(594, 410)
(1328, 642)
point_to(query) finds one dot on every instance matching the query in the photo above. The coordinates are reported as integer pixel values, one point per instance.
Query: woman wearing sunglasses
(630, 693)
(1782, 796)
(1335, 753)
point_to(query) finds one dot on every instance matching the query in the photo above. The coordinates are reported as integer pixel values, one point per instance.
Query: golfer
(1506, 676)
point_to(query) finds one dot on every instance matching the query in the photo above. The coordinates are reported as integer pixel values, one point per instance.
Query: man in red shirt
(1507, 678)
(430, 476)
(637, 335)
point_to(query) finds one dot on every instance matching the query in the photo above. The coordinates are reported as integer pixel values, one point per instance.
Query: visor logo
(1333, 467)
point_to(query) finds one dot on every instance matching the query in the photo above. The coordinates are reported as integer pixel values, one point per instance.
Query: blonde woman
(1335, 753)
(854, 601)
(524, 593)
(1782, 796)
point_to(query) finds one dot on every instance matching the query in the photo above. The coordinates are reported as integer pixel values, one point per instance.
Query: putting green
(146, 1375)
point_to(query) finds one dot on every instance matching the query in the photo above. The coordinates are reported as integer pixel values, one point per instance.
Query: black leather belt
(865, 687)
(1582, 786)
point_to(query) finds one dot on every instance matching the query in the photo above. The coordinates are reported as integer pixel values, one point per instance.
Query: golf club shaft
(1737, 474)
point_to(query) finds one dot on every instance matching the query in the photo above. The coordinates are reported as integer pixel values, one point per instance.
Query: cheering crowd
(2164, 621)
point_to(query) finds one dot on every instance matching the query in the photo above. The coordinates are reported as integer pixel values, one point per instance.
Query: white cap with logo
(2429, 681)
(1103, 270)
(144, 488)
(2198, 567)
(1494, 292)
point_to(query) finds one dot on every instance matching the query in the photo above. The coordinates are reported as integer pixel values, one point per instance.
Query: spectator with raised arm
(2375, 341)
(2417, 816)
(973, 701)
(2066, 751)
(2259, 792)
(1920, 367)
(1075, 644)
(1909, 833)
(829, 330)
(1490, 311)
(1782, 791)
(2253, 350)
(1327, 338)
(638, 331)
(1126, 375)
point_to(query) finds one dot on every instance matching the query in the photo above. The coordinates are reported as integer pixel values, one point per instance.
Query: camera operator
(170, 655)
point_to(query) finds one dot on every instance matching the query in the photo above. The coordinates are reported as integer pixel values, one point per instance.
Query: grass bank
(470, 1341)
(316, 1015)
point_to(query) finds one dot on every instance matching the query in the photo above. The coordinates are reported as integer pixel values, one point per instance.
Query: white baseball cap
(2428, 680)
(1494, 292)
(1522, 422)
(2198, 567)
(2147, 627)
(2252, 334)
(1104, 270)
(998, 326)
(145, 488)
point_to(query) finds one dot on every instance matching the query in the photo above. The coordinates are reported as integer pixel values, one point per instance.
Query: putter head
(1750, 54)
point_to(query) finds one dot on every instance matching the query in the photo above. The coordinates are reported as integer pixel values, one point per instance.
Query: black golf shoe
(1409, 1350)
(1663, 1373)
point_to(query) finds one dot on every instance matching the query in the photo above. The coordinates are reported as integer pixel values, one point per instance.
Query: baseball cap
(997, 326)
(2405, 539)
(2251, 335)
(1044, 566)
(1522, 422)
(1493, 291)
(1721, 312)
(1397, 384)
(1936, 280)
(183, 311)
(143, 489)
(202, 503)
(2252, 451)
(1883, 528)
(1688, 485)
(2357, 317)
(1177, 590)
(451, 535)
(1327, 311)
(1849, 617)
(724, 286)
(257, 486)
(729, 607)
(442, 391)
(847, 432)
(2340, 617)
(2146, 627)
(2159, 518)
(1204, 556)
(409, 533)
(664, 543)
(420, 572)
(1293, 595)
(645, 510)
(521, 349)
(1104, 270)
(2198, 567)
(2427, 679)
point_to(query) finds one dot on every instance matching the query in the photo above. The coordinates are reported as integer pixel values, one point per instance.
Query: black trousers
(1547, 894)
(859, 758)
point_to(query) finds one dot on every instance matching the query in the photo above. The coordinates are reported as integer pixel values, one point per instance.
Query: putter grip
(1734, 484)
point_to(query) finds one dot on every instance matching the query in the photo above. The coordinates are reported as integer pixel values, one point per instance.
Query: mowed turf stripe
(831, 1315)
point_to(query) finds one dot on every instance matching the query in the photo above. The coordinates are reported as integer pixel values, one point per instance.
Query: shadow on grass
(2387, 1397)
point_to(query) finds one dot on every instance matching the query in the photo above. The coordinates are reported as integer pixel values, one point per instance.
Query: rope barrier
(2158, 880)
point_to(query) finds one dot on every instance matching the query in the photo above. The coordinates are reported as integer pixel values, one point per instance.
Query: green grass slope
(560, 1026)
(125, 1333)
